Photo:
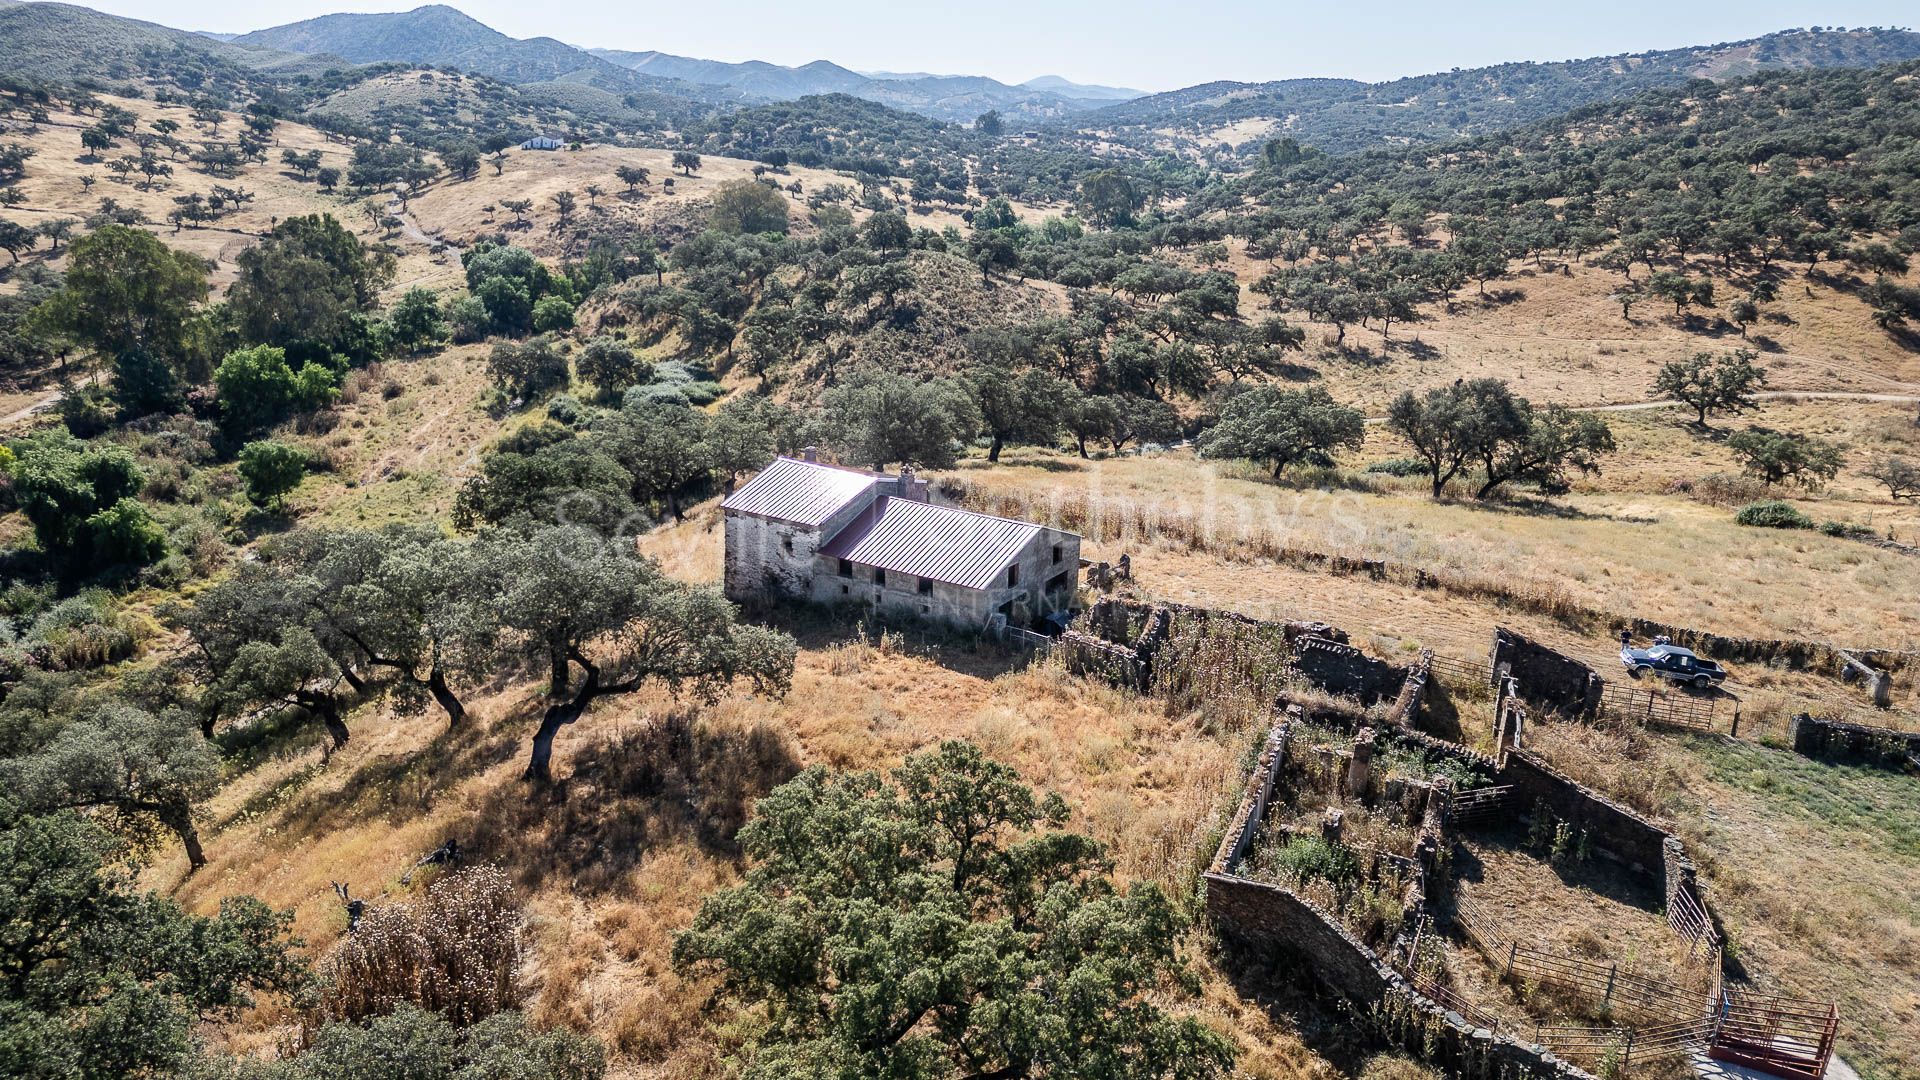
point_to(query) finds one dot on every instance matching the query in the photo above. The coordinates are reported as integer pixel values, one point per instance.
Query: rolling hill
(953, 98)
(441, 36)
(65, 43)
(1341, 115)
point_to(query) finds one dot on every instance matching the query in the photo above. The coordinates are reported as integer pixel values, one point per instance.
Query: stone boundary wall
(1815, 656)
(1833, 740)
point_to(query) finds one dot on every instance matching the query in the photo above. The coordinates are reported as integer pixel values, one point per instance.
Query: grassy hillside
(1339, 115)
(886, 245)
(64, 43)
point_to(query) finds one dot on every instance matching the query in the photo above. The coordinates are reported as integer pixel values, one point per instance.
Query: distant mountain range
(443, 36)
(955, 98)
(1340, 115)
(556, 83)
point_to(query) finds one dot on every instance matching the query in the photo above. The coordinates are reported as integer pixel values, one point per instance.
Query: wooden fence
(1649, 706)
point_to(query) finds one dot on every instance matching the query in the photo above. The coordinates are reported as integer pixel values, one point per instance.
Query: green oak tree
(940, 923)
(1282, 428)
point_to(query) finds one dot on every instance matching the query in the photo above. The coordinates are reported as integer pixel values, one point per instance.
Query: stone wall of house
(768, 558)
(764, 557)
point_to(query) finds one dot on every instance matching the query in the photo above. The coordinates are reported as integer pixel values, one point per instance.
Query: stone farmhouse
(808, 530)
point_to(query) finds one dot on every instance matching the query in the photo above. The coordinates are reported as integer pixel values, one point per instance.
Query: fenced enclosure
(1650, 706)
(1678, 1019)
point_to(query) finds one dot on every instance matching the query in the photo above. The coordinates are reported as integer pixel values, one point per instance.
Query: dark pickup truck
(1672, 662)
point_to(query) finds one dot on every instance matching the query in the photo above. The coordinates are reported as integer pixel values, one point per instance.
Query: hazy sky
(1153, 46)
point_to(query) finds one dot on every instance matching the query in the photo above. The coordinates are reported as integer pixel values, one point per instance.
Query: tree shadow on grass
(1281, 981)
(1524, 506)
(1415, 349)
(1053, 464)
(669, 779)
(407, 783)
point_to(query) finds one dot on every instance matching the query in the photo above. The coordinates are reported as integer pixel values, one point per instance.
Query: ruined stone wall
(1341, 669)
(1547, 678)
(1260, 922)
(1612, 827)
(1831, 740)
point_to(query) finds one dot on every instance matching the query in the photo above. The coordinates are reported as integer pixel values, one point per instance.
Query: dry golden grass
(1557, 337)
(1813, 869)
(1611, 545)
(52, 185)
(610, 874)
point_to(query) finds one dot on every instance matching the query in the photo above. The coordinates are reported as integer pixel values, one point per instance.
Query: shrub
(270, 470)
(565, 409)
(81, 632)
(527, 370)
(1773, 514)
(1310, 858)
(1721, 489)
(420, 1045)
(1398, 467)
(1846, 530)
(455, 951)
(551, 315)
(469, 320)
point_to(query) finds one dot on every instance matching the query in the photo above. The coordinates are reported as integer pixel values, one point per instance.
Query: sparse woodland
(357, 482)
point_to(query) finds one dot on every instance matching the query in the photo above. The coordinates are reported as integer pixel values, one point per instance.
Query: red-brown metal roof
(801, 492)
(959, 547)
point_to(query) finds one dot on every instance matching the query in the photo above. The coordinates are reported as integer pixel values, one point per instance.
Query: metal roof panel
(959, 547)
(801, 492)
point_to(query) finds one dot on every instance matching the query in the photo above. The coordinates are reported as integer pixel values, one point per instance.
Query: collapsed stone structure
(1121, 640)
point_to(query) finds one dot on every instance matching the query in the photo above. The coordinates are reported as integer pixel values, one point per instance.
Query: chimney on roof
(809, 453)
(911, 488)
